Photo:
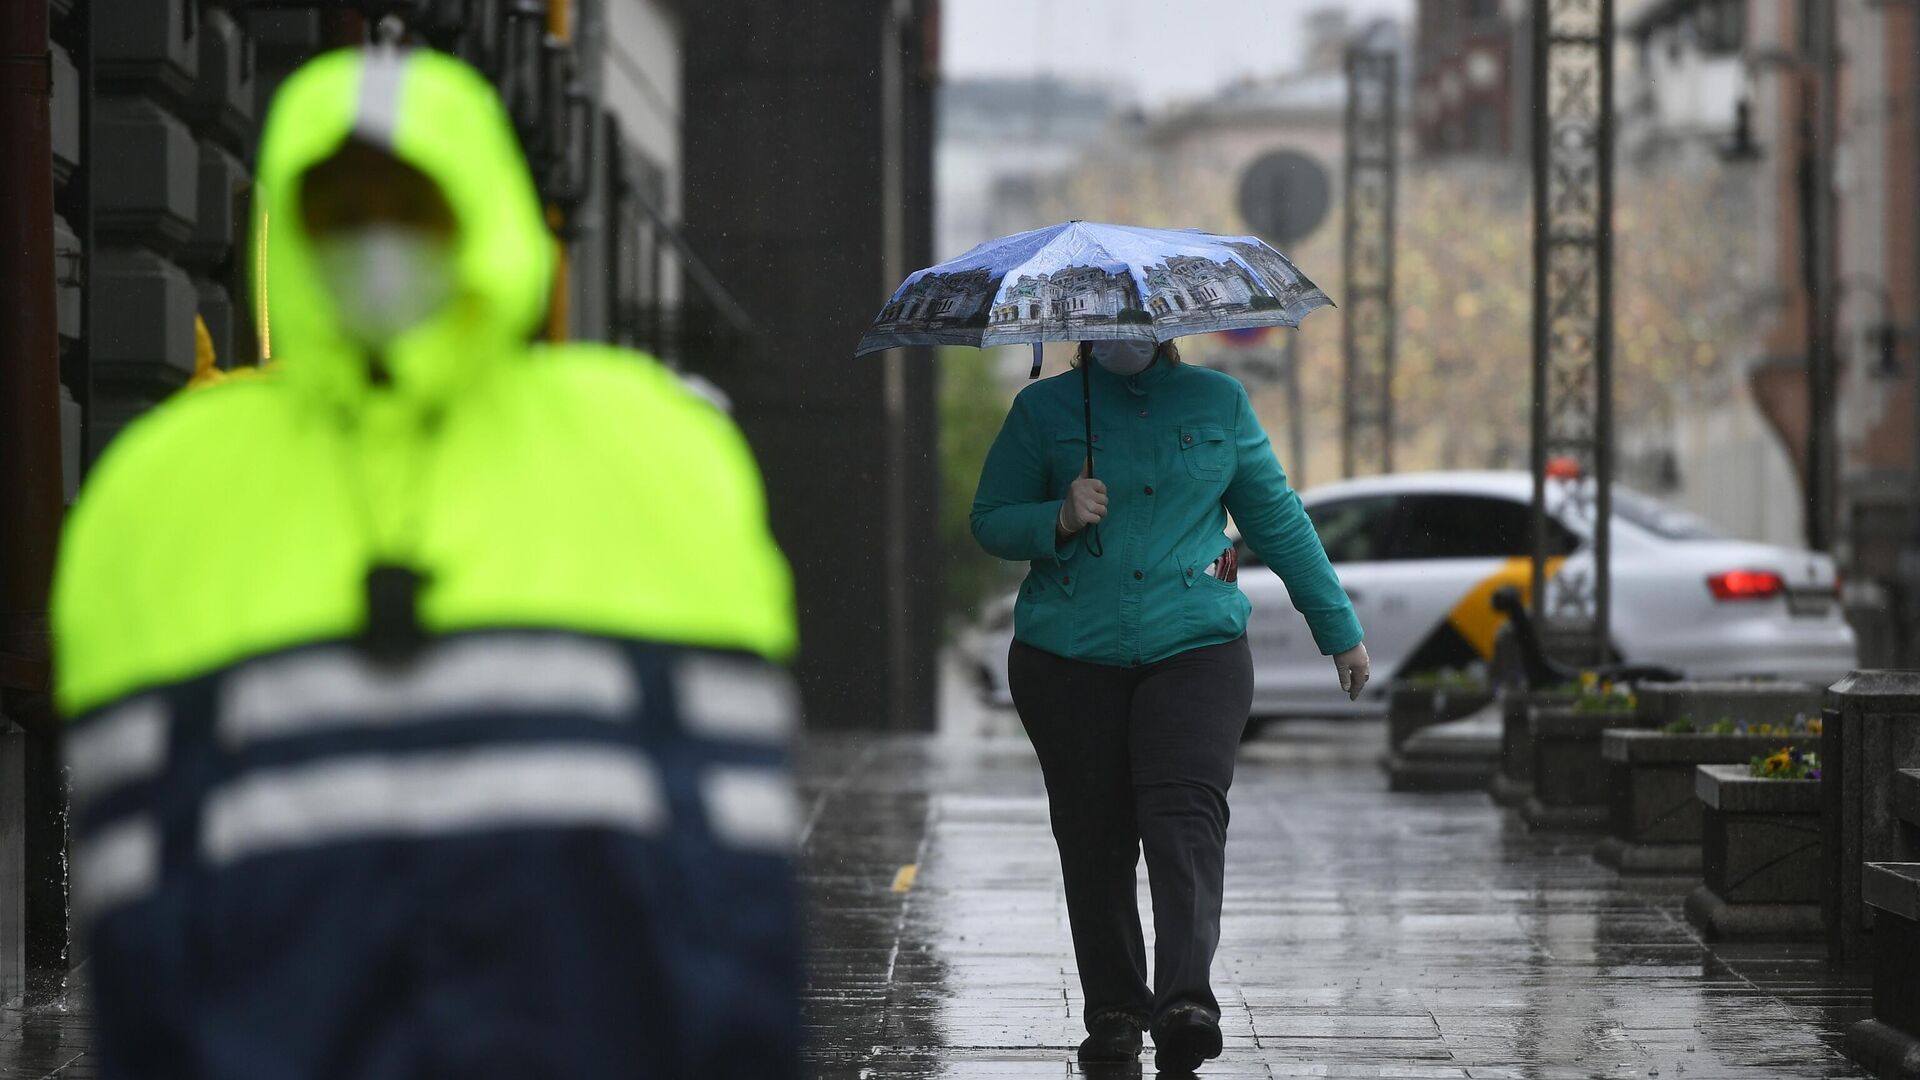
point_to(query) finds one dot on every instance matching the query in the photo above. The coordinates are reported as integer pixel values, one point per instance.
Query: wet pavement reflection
(1365, 935)
(45, 1031)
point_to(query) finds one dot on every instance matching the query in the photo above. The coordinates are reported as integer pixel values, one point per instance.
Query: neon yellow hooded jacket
(571, 487)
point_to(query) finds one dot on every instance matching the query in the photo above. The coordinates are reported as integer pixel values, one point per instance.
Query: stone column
(13, 853)
(1872, 733)
(1889, 1043)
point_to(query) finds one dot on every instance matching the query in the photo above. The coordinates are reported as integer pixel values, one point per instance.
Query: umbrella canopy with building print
(1083, 281)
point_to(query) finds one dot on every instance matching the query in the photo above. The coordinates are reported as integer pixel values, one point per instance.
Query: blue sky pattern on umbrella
(1088, 281)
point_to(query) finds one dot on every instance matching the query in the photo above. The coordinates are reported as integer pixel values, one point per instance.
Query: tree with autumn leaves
(1683, 253)
(1684, 273)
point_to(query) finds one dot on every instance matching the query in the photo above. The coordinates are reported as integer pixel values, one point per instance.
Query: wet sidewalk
(1366, 934)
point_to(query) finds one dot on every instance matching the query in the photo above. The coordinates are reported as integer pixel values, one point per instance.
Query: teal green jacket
(1179, 449)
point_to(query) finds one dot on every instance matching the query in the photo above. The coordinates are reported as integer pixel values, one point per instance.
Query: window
(1721, 26)
(1483, 129)
(1355, 530)
(1470, 527)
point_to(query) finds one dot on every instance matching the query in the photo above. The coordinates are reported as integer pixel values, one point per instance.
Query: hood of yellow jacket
(439, 115)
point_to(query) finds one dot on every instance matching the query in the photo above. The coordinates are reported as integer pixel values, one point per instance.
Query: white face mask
(1124, 357)
(385, 279)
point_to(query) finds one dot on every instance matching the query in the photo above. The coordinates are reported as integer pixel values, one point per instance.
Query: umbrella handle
(1094, 547)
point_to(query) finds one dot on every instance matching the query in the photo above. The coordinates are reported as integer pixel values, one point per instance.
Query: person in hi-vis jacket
(1129, 666)
(404, 739)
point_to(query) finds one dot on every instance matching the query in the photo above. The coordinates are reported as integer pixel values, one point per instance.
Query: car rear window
(1656, 517)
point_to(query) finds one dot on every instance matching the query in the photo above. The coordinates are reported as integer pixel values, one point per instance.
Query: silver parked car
(1422, 553)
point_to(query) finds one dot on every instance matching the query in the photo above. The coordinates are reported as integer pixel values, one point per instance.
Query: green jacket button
(1137, 575)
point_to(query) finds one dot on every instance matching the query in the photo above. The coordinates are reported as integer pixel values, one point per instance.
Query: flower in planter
(1786, 763)
(1725, 726)
(1605, 698)
(1682, 726)
(1816, 726)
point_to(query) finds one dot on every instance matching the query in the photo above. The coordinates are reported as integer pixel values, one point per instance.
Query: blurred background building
(1726, 88)
(1470, 78)
(1714, 177)
(733, 190)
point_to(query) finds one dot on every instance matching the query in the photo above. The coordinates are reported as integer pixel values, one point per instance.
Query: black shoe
(1183, 1038)
(1111, 1037)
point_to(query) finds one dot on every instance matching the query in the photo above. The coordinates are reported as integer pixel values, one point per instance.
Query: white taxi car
(1422, 553)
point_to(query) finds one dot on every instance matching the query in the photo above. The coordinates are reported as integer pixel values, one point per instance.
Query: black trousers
(1139, 758)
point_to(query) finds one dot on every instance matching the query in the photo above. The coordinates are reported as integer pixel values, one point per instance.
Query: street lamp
(1819, 132)
(1740, 147)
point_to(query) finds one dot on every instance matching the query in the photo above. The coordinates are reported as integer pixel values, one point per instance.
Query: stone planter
(1411, 706)
(1889, 1044)
(1571, 792)
(1442, 763)
(1655, 826)
(1872, 734)
(1760, 856)
(1744, 701)
(1459, 755)
(1514, 782)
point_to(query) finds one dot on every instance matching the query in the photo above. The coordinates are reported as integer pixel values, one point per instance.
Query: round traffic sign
(1284, 195)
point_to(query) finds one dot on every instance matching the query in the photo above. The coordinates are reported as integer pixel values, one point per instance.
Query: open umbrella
(1083, 281)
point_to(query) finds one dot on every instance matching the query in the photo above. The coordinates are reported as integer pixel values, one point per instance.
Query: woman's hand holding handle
(1352, 667)
(1086, 504)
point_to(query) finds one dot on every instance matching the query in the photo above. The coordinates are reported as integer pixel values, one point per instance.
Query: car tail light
(1746, 585)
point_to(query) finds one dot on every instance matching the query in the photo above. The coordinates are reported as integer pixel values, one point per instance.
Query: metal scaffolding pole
(1296, 410)
(1573, 304)
(1822, 507)
(1910, 557)
(1367, 326)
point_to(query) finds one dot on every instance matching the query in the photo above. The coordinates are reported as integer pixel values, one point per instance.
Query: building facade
(1734, 82)
(1469, 76)
(808, 178)
(153, 115)
(993, 135)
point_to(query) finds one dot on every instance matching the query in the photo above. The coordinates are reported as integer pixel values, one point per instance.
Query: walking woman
(1130, 667)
